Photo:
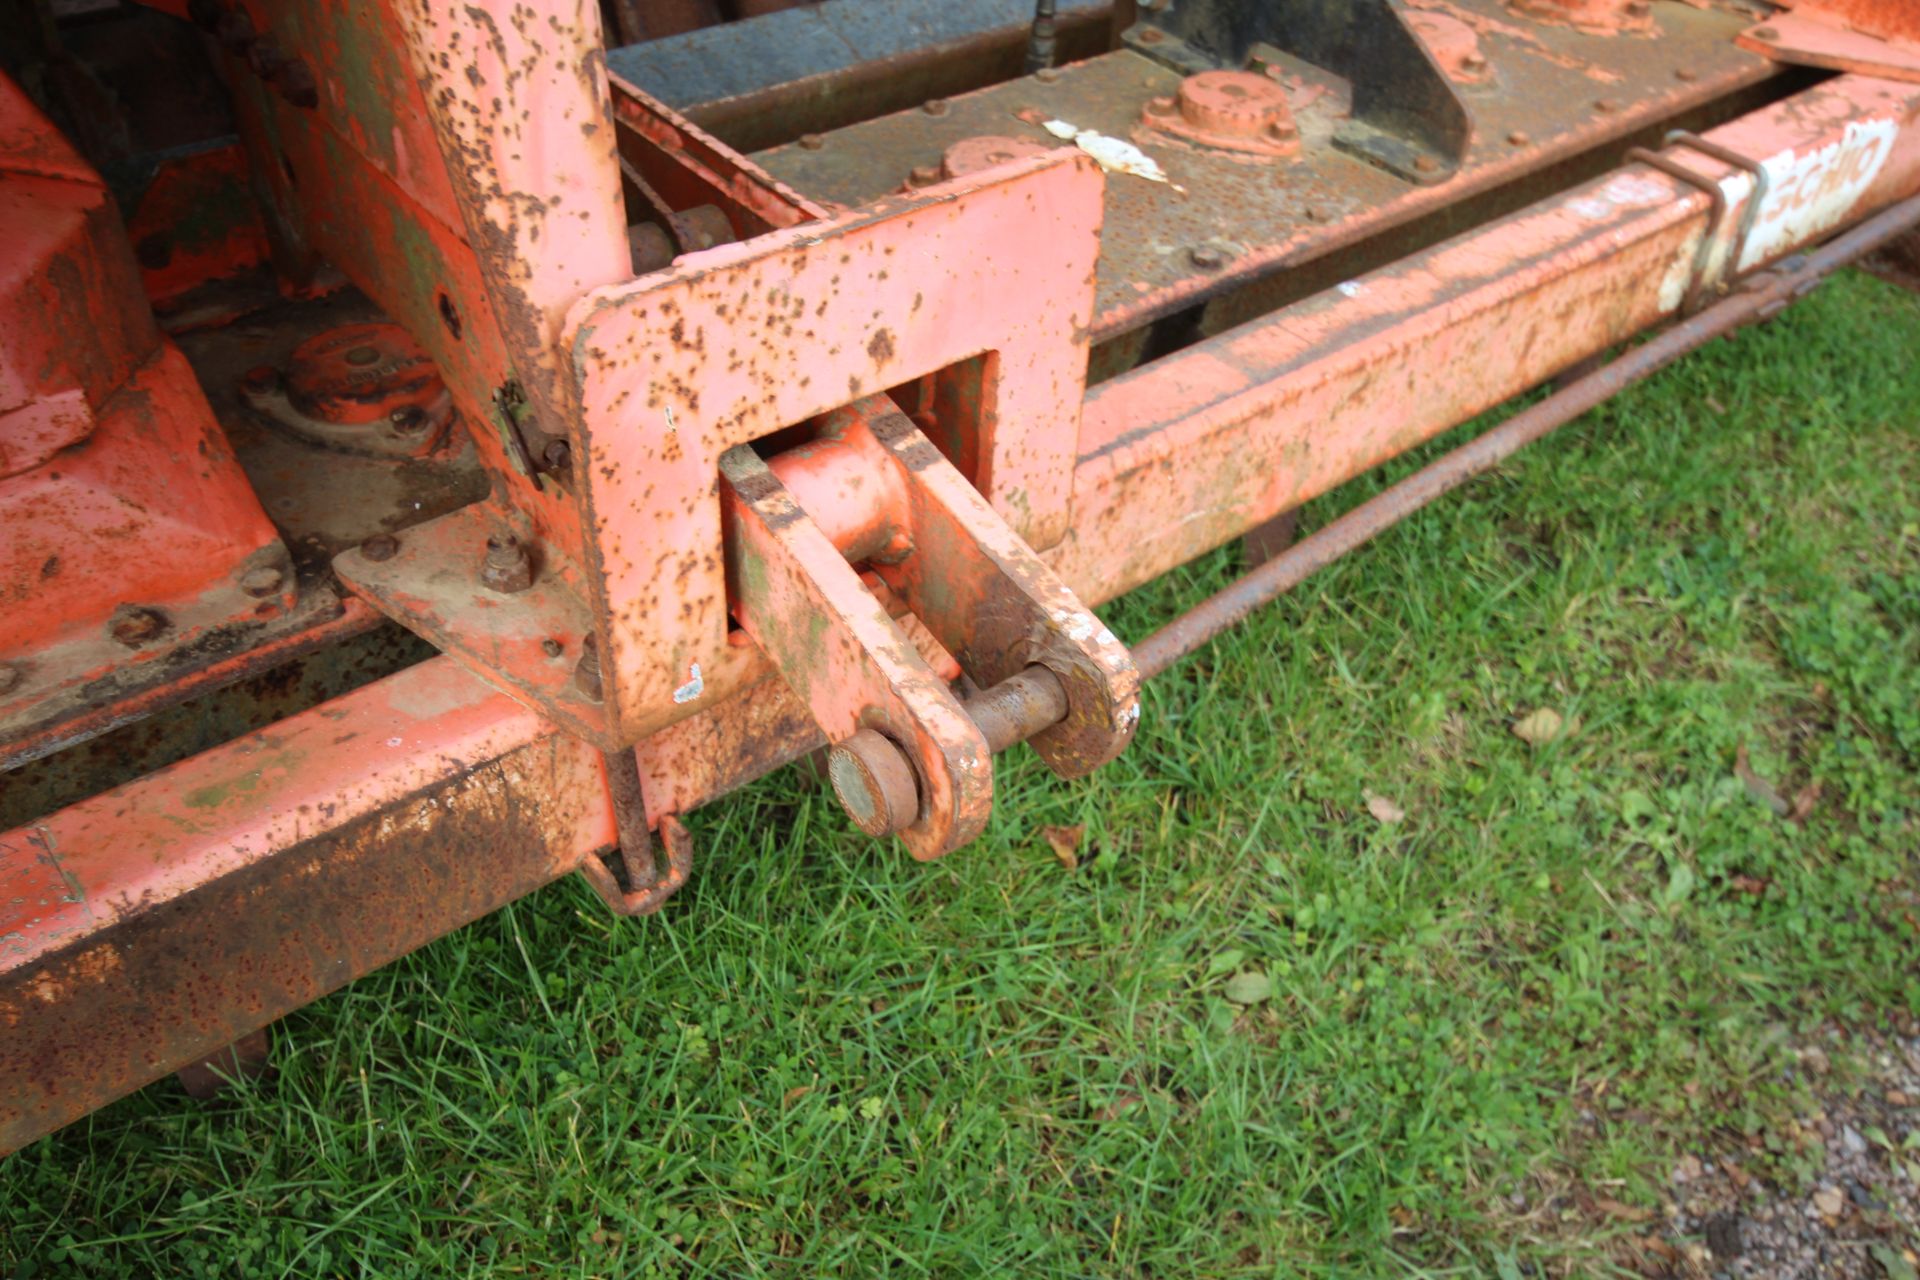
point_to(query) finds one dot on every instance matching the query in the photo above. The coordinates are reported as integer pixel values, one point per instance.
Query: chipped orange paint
(740, 341)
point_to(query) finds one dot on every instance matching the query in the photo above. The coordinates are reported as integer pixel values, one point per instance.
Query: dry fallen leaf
(1065, 843)
(1803, 802)
(1624, 1212)
(1538, 727)
(1753, 885)
(796, 1093)
(1383, 809)
(1758, 787)
(1830, 1201)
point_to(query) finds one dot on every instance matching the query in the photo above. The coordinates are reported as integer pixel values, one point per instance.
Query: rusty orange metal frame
(799, 481)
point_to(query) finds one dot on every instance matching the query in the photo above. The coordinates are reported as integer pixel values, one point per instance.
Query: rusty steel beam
(1191, 451)
(159, 922)
(1763, 296)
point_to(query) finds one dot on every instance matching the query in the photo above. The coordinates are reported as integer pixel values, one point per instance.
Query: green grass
(1563, 965)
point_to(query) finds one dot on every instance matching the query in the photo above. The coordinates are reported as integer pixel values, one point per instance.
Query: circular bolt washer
(136, 624)
(361, 373)
(971, 155)
(1241, 112)
(874, 782)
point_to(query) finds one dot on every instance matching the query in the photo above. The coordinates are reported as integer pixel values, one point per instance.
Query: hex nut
(507, 568)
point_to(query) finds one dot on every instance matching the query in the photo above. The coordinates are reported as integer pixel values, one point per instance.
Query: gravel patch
(1860, 1215)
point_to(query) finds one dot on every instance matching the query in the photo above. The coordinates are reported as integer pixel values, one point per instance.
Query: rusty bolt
(262, 582)
(135, 624)
(507, 568)
(1606, 106)
(11, 674)
(811, 142)
(1764, 33)
(935, 106)
(260, 379)
(298, 86)
(875, 783)
(924, 175)
(1685, 73)
(1473, 62)
(1426, 164)
(1313, 213)
(1160, 106)
(1152, 35)
(1207, 257)
(1047, 75)
(265, 58)
(1520, 138)
(381, 546)
(408, 419)
(552, 648)
(586, 676)
(558, 455)
(1282, 130)
(235, 31)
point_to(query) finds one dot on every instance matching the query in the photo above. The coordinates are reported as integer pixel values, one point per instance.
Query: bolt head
(408, 419)
(298, 86)
(1207, 257)
(551, 647)
(1685, 73)
(558, 455)
(1152, 35)
(1606, 106)
(935, 106)
(1426, 164)
(811, 142)
(1764, 33)
(1520, 138)
(586, 675)
(136, 624)
(924, 175)
(262, 582)
(381, 546)
(1047, 75)
(11, 676)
